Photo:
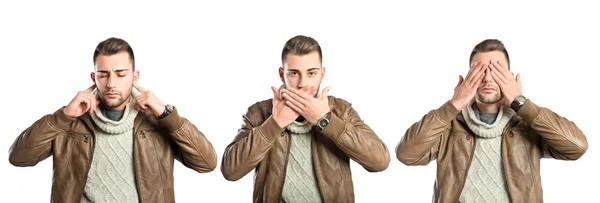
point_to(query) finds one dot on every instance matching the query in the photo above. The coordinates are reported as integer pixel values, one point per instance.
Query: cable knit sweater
(300, 182)
(486, 181)
(112, 176)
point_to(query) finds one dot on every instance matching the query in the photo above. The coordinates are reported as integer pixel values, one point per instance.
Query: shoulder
(339, 106)
(259, 111)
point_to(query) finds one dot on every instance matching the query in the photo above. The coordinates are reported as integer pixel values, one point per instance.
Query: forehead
(113, 62)
(488, 56)
(303, 62)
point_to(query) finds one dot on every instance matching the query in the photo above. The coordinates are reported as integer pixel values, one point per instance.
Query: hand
(511, 87)
(84, 101)
(283, 114)
(148, 101)
(306, 104)
(466, 89)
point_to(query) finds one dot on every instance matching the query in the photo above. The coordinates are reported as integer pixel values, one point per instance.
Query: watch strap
(168, 110)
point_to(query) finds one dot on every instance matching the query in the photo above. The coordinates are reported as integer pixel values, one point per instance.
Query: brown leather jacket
(157, 143)
(264, 146)
(535, 132)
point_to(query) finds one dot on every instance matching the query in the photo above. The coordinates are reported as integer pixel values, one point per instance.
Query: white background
(393, 62)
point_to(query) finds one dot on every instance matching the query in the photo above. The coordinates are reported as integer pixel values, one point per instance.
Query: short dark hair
(300, 45)
(487, 46)
(113, 46)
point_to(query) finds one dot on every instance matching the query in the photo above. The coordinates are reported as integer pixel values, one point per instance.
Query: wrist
(518, 102)
(279, 122)
(458, 105)
(168, 109)
(323, 122)
(66, 112)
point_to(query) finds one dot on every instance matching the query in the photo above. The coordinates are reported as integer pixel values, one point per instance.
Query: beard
(110, 103)
(490, 98)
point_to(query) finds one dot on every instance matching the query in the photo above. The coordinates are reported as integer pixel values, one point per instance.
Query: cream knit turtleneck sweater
(486, 181)
(112, 176)
(300, 182)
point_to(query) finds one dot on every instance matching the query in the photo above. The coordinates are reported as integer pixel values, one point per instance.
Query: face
(489, 92)
(303, 72)
(114, 78)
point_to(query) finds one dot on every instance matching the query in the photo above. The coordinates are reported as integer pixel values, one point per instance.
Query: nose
(488, 76)
(301, 82)
(110, 82)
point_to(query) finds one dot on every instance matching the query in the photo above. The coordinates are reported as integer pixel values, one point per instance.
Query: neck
(488, 108)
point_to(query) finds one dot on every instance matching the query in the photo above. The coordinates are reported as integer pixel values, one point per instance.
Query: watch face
(323, 123)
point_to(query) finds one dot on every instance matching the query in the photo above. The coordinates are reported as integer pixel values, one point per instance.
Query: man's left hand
(509, 84)
(148, 101)
(306, 104)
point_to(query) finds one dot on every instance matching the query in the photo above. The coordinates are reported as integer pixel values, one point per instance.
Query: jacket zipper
(135, 138)
(85, 136)
(315, 167)
(285, 167)
(462, 187)
(89, 163)
(504, 160)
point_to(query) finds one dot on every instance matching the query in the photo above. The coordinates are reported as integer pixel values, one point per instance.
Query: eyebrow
(310, 69)
(118, 71)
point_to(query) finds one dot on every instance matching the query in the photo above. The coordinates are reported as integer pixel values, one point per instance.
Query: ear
(136, 76)
(281, 75)
(93, 76)
(323, 73)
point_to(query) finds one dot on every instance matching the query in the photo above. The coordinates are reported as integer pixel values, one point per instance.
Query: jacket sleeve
(358, 141)
(193, 149)
(253, 141)
(422, 140)
(34, 144)
(561, 138)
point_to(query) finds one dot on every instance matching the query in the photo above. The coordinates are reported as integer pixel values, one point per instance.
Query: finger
(497, 79)
(474, 72)
(93, 104)
(298, 93)
(471, 79)
(294, 107)
(91, 88)
(275, 93)
(497, 72)
(142, 106)
(295, 97)
(471, 70)
(88, 104)
(325, 92)
(141, 102)
(140, 88)
(479, 79)
(97, 102)
(504, 73)
(474, 64)
(460, 81)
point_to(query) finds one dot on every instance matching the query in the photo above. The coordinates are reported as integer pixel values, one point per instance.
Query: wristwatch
(518, 102)
(324, 121)
(168, 110)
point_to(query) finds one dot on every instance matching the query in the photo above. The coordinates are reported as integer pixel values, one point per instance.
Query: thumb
(325, 92)
(460, 80)
(275, 93)
(519, 78)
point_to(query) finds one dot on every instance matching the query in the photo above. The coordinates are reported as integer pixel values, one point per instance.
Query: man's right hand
(84, 101)
(466, 89)
(282, 113)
